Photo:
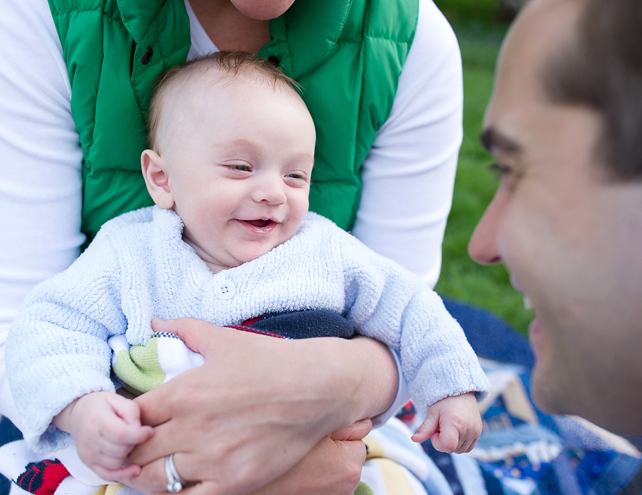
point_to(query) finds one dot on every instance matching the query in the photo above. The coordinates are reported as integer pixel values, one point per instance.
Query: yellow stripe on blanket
(394, 478)
(110, 489)
(374, 448)
(391, 474)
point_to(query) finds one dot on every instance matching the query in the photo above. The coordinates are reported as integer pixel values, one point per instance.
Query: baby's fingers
(117, 474)
(117, 431)
(446, 439)
(426, 429)
(467, 445)
(127, 409)
(465, 448)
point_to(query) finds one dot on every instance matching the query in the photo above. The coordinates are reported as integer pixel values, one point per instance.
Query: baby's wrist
(63, 420)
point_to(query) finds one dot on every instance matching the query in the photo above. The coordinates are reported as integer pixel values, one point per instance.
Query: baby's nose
(270, 190)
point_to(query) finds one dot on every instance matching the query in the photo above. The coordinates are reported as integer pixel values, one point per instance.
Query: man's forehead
(540, 33)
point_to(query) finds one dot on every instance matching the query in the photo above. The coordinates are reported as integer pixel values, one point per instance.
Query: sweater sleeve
(388, 303)
(57, 349)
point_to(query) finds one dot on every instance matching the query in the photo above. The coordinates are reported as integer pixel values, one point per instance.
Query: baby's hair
(227, 64)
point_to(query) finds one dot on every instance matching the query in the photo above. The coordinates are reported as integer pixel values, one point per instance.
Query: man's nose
(483, 244)
(269, 189)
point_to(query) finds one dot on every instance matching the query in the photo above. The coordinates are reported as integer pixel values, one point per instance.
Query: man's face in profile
(571, 239)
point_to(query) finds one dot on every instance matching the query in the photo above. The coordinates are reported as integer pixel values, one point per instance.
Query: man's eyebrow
(493, 140)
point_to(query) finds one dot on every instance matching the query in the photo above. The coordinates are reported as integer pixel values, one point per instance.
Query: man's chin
(542, 378)
(540, 389)
(547, 388)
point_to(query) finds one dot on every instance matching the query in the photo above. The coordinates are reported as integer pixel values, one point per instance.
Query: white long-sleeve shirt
(408, 175)
(138, 268)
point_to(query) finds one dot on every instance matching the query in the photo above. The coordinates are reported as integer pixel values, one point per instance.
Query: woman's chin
(262, 10)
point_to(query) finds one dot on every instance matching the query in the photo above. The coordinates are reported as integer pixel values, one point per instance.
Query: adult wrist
(361, 373)
(401, 399)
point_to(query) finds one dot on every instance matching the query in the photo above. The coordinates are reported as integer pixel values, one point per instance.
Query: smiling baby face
(233, 157)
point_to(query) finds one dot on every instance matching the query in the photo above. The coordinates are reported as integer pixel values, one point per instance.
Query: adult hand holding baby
(342, 453)
(234, 432)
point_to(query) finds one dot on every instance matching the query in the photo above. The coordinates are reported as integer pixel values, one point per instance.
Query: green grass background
(480, 35)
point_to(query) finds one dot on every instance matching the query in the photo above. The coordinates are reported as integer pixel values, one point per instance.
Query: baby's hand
(106, 427)
(453, 424)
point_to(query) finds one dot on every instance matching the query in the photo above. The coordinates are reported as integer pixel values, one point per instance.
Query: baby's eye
(297, 176)
(241, 167)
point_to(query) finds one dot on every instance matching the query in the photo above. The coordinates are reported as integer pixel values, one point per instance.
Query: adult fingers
(192, 331)
(356, 431)
(331, 468)
(152, 477)
(156, 406)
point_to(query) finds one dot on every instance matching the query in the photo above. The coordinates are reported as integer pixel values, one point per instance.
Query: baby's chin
(252, 254)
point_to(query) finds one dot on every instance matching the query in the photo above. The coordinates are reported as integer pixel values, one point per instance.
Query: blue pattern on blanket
(524, 451)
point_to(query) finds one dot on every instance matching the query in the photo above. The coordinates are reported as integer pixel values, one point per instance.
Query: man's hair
(601, 66)
(225, 64)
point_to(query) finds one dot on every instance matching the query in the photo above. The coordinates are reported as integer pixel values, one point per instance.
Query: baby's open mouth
(260, 223)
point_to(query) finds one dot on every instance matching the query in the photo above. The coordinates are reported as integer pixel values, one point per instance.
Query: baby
(230, 239)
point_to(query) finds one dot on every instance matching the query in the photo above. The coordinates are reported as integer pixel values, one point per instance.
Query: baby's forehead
(216, 79)
(207, 93)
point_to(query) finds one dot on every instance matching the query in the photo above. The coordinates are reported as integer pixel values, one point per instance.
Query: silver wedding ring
(174, 481)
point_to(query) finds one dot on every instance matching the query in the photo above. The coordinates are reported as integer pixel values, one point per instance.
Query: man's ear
(156, 178)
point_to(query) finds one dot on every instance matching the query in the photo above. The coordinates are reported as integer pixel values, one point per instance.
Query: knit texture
(139, 268)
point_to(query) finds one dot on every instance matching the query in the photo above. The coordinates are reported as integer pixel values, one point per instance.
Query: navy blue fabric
(8, 433)
(306, 324)
(5, 484)
(489, 336)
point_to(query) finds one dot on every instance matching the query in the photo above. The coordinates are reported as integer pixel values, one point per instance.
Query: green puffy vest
(346, 54)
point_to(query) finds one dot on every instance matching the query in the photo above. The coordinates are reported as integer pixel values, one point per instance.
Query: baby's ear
(156, 178)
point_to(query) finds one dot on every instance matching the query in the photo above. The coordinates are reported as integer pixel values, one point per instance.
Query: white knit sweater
(139, 268)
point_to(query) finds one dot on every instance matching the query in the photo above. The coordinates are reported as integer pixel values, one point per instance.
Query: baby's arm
(453, 424)
(106, 427)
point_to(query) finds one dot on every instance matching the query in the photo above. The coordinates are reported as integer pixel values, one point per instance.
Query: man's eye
(508, 177)
(499, 171)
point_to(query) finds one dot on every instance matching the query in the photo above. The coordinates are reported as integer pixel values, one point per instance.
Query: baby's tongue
(258, 223)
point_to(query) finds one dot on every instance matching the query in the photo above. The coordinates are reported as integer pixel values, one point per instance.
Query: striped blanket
(522, 450)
